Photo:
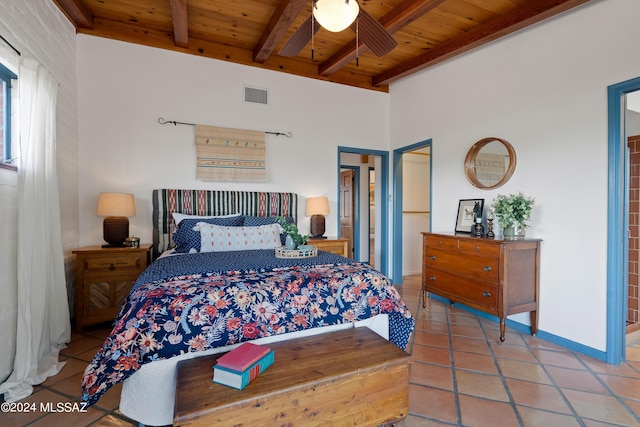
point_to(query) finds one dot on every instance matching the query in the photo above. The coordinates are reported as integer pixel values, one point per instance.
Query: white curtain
(43, 312)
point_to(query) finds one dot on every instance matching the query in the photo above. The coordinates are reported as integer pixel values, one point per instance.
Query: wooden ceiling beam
(528, 14)
(180, 23)
(76, 12)
(162, 39)
(396, 19)
(282, 18)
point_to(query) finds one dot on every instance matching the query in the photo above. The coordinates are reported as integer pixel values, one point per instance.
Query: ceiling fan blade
(299, 38)
(373, 34)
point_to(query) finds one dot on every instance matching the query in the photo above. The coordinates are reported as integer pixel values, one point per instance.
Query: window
(6, 78)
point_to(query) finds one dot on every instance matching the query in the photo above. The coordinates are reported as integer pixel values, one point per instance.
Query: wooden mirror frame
(470, 161)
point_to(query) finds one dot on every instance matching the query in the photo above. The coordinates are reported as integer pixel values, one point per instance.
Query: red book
(240, 380)
(241, 358)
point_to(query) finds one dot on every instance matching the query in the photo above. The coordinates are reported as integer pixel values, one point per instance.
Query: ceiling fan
(335, 16)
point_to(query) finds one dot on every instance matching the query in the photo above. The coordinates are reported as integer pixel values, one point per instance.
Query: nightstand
(104, 277)
(335, 245)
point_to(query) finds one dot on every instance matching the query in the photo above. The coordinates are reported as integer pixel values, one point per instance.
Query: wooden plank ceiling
(251, 32)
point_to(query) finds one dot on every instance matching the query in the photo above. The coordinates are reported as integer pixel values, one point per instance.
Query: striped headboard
(210, 202)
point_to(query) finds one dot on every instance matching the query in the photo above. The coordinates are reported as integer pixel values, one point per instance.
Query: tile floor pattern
(460, 376)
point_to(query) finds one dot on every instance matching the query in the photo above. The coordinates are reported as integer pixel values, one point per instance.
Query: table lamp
(115, 207)
(317, 207)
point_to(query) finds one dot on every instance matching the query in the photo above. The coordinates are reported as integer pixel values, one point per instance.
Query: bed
(213, 288)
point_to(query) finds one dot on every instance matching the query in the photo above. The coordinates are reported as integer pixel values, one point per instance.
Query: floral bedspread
(189, 313)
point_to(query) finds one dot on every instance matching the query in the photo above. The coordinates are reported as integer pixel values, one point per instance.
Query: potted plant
(294, 238)
(513, 212)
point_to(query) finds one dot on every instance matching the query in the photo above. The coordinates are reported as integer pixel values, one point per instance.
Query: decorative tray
(303, 251)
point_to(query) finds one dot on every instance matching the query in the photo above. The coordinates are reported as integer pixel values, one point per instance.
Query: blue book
(241, 379)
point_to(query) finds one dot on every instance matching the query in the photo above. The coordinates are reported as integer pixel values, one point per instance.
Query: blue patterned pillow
(253, 221)
(187, 240)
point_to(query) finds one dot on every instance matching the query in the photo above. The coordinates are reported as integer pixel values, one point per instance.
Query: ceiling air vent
(255, 95)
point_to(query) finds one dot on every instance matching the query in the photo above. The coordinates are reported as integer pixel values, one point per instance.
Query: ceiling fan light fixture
(336, 15)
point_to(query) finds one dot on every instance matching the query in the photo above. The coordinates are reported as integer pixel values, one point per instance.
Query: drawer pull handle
(112, 267)
(477, 248)
(432, 257)
(440, 243)
(432, 278)
(487, 268)
(486, 294)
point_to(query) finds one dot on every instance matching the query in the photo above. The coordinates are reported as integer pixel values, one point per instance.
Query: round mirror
(490, 163)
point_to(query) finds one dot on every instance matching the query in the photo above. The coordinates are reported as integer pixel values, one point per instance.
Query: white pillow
(218, 238)
(177, 217)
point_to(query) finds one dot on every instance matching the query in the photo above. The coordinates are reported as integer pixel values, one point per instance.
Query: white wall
(123, 89)
(543, 89)
(415, 206)
(632, 123)
(38, 30)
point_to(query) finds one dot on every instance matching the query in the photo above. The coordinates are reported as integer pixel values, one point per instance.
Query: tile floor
(461, 376)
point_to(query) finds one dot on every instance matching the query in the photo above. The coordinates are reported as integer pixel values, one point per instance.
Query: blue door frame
(618, 221)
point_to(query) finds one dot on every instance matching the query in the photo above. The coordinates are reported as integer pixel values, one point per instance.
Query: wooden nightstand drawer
(118, 263)
(337, 246)
(104, 277)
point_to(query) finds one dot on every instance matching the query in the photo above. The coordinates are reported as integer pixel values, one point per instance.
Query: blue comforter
(194, 302)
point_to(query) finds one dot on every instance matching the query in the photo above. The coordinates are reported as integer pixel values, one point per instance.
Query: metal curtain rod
(11, 46)
(173, 122)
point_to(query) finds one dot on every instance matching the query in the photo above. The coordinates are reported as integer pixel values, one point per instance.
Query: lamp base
(115, 229)
(317, 226)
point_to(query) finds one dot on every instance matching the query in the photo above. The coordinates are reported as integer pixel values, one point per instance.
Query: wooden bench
(344, 378)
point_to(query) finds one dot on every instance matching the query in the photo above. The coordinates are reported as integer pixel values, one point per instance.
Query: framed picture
(468, 210)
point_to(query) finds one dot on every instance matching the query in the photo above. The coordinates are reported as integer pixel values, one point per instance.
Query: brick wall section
(39, 30)
(634, 226)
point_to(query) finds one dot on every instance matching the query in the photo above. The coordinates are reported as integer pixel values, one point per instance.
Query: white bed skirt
(148, 396)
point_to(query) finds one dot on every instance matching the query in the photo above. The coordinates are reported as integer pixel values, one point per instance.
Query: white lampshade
(116, 204)
(336, 15)
(317, 206)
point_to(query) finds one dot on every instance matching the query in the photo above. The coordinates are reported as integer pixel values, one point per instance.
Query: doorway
(618, 219)
(372, 217)
(349, 185)
(362, 160)
(632, 136)
(420, 217)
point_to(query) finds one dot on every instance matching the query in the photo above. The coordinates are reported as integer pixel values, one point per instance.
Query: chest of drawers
(499, 277)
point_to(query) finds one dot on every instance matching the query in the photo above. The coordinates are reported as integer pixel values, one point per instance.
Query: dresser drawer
(462, 289)
(478, 267)
(112, 263)
(479, 247)
(441, 242)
